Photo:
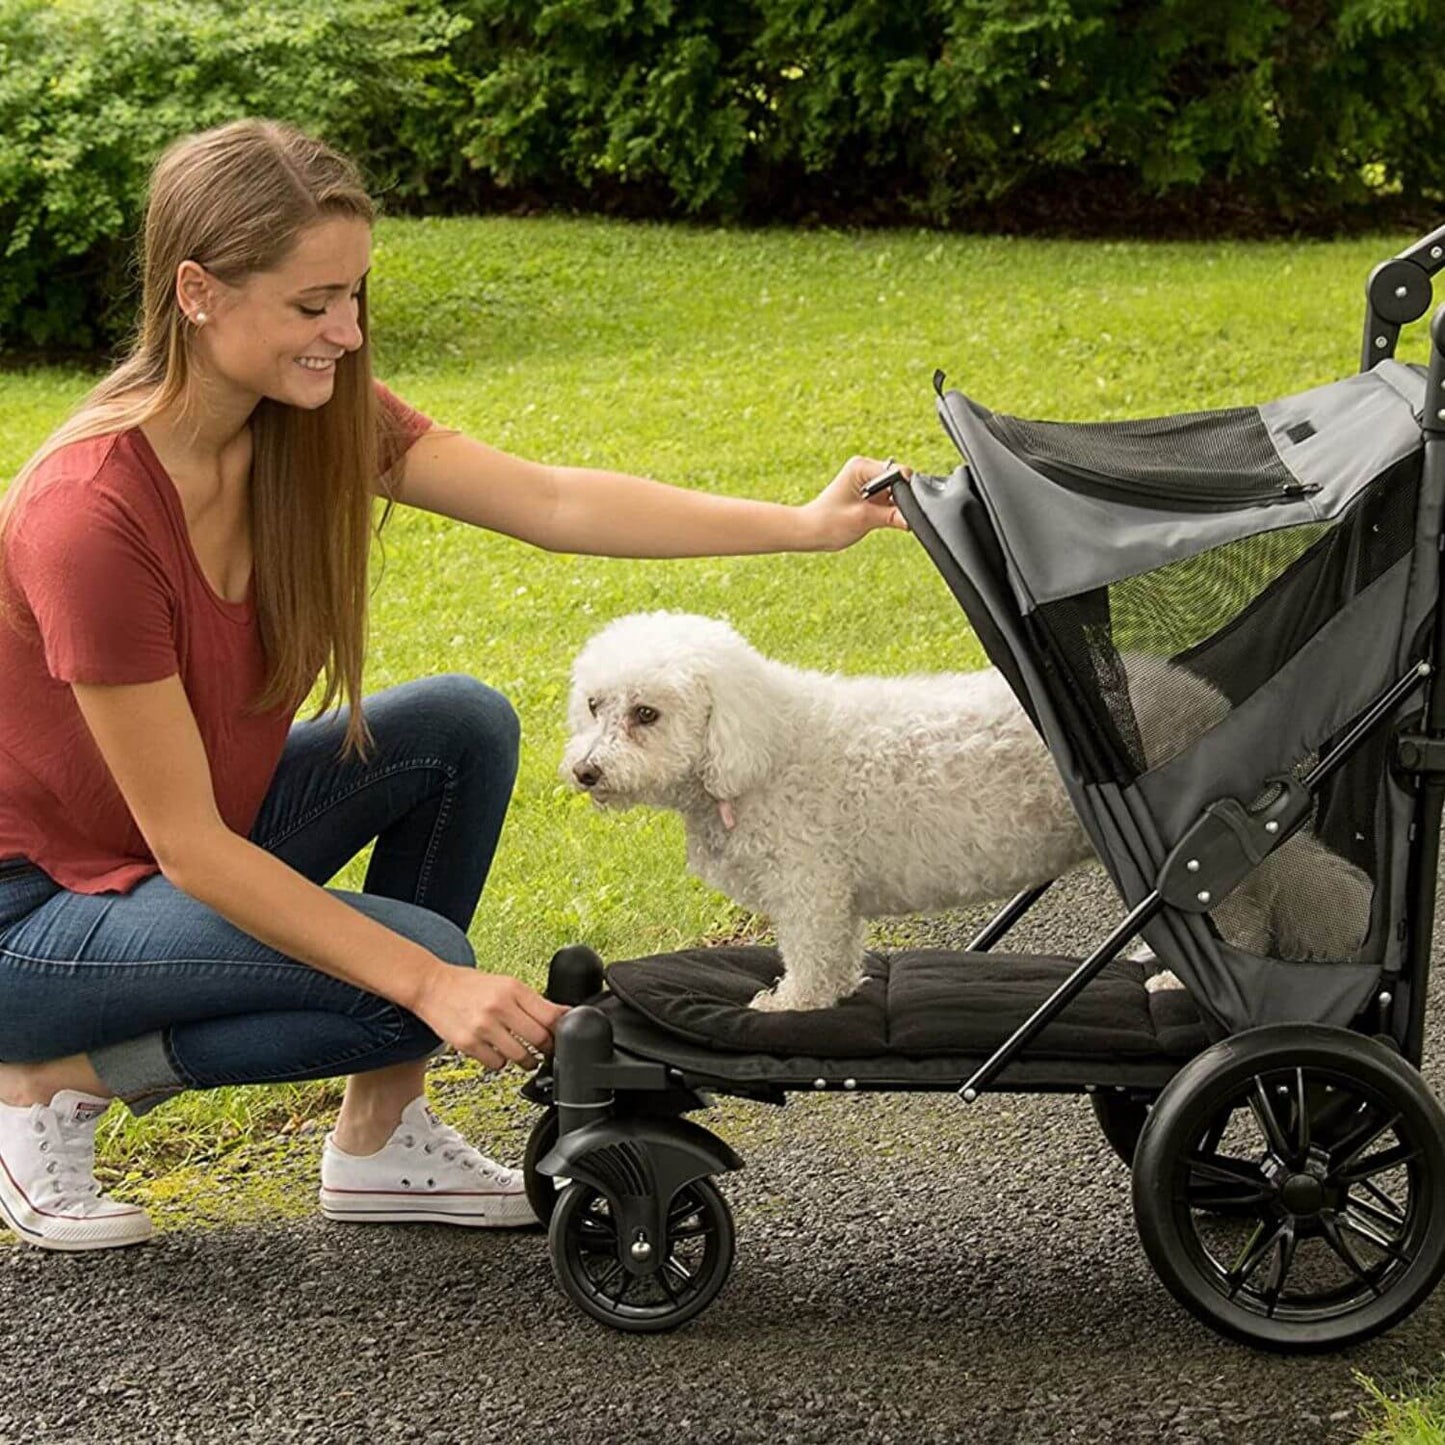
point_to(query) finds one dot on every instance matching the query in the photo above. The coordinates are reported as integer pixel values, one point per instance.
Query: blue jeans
(165, 995)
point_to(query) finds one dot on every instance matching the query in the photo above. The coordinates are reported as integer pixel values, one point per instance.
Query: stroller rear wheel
(690, 1266)
(1289, 1187)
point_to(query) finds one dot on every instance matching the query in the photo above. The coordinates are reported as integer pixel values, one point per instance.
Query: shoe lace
(452, 1146)
(69, 1161)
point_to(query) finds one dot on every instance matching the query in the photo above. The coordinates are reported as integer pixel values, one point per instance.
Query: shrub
(939, 110)
(1258, 114)
(91, 91)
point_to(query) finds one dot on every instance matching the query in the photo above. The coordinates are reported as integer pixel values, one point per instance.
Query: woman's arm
(581, 509)
(147, 734)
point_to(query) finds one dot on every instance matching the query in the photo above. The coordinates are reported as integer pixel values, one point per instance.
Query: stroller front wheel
(688, 1267)
(1289, 1187)
(542, 1189)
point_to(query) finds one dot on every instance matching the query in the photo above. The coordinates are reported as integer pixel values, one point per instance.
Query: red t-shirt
(102, 562)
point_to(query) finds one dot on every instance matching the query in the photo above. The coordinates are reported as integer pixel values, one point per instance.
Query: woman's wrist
(815, 534)
(426, 970)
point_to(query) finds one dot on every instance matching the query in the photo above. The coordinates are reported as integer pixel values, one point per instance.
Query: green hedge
(936, 110)
(1284, 113)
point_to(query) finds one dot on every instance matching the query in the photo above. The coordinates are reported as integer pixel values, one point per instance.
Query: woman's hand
(490, 1017)
(840, 514)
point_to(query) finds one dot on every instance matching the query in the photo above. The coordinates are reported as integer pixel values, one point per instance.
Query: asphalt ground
(908, 1269)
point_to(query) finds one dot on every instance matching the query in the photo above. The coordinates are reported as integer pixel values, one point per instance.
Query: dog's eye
(592, 706)
(645, 715)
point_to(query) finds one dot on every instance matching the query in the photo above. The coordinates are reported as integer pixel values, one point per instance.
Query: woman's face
(280, 332)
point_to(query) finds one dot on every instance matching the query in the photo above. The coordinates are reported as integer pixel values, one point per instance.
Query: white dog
(822, 800)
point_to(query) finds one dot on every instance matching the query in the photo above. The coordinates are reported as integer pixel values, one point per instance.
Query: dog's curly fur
(822, 801)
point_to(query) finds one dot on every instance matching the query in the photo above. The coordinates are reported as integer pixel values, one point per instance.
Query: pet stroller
(1265, 581)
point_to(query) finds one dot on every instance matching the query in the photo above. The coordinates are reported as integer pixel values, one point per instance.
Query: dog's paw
(1158, 982)
(772, 1001)
(785, 999)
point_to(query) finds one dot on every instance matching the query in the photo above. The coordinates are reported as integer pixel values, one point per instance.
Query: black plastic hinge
(1227, 842)
(1417, 753)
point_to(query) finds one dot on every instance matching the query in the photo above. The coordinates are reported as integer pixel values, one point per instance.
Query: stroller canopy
(1190, 607)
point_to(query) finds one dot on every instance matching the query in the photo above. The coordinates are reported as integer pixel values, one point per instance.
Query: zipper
(1181, 499)
(1176, 498)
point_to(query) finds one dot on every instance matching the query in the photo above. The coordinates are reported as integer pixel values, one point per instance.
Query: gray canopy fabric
(1060, 542)
(1011, 539)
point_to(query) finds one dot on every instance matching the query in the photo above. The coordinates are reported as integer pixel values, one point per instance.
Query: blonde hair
(235, 200)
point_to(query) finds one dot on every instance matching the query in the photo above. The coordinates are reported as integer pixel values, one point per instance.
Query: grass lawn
(1408, 1418)
(751, 363)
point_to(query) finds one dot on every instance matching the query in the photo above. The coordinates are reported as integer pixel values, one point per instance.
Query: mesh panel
(1153, 661)
(1208, 456)
(1142, 668)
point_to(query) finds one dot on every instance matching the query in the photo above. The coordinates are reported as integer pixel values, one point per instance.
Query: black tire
(1292, 1239)
(542, 1189)
(1121, 1121)
(585, 1257)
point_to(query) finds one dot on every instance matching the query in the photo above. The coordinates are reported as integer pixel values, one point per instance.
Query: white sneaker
(48, 1191)
(426, 1173)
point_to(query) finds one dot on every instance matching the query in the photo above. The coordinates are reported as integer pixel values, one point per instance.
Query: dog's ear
(739, 745)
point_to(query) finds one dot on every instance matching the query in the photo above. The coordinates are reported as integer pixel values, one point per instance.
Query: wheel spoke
(1342, 1247)
(627, 1278)
(593, 1237)
(702, 1230)
(1263, 1110)
(1302, 1118)
(1284, 1257)
(682, 1204)
(1388, 1202)
(1366, 1230)
(1224, 1169)
(673, 1263)
(1393, 1218)
(608, 1275)
(1353, 1145)
(1210, 1143)
(1219, 1196)
(1221, 1180)
(1256, 1250)
(1374, 1164)
(1333, 1114)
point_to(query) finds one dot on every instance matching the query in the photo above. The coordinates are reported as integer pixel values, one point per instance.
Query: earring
(200, 318)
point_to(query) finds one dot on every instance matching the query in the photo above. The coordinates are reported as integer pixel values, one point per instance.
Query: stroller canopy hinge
(1228, 842)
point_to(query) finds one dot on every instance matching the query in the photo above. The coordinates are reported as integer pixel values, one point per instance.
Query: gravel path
(908, 1270)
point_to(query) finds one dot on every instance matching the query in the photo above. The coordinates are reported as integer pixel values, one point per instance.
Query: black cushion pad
(917, 1003)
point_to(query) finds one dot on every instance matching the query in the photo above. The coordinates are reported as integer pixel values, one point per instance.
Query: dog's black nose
(586, 774)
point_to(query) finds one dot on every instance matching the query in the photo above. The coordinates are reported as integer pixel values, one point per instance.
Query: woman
(180, 561)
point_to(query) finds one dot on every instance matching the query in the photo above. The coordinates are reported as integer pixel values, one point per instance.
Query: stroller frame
(623, 1178)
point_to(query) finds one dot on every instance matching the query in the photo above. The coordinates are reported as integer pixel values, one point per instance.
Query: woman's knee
(435, 933)
(441, 937)
(484, 716)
